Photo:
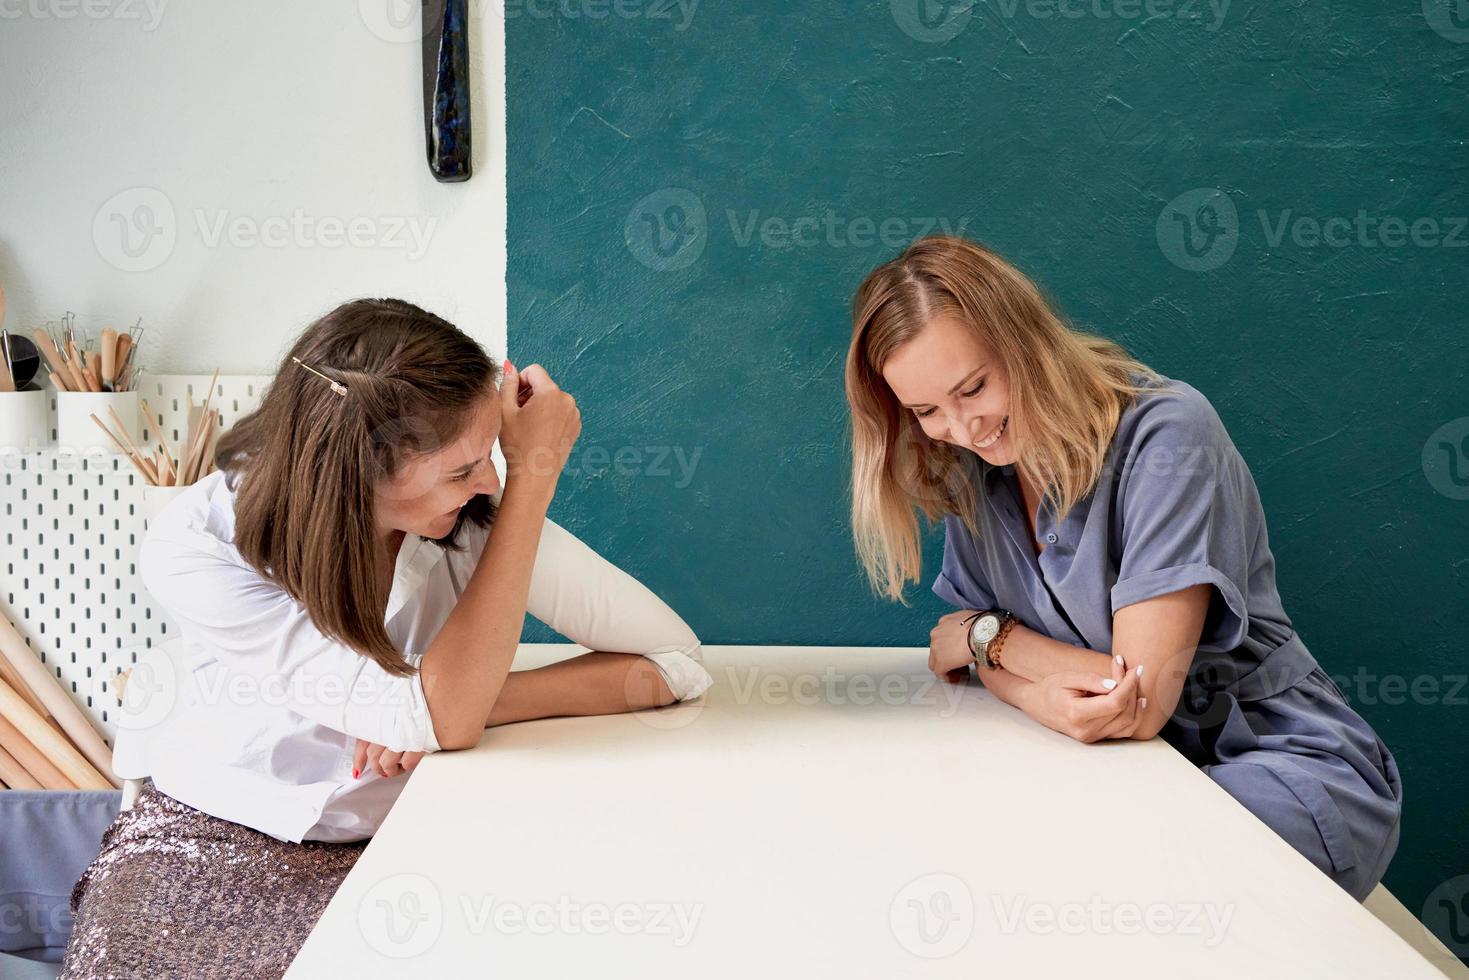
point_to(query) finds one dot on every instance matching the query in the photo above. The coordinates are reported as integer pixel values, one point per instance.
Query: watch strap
(992, 650)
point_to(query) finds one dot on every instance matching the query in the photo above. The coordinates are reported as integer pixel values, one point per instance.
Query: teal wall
(1078, 147)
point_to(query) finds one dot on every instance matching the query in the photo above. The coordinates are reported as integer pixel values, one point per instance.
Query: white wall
(279, 145)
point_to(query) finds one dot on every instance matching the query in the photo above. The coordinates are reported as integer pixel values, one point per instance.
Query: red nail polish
(354, 773)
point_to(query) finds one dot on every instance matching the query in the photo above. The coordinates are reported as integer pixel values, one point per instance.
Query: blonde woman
(1104, 544)
(350, 587)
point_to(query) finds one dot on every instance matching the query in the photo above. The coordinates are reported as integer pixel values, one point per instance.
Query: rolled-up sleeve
(1190, 515)
(270, 647)
(592, 602)
(961, 581)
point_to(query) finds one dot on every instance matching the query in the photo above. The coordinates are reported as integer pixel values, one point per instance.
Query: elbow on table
(1147, 729)
(452, 738)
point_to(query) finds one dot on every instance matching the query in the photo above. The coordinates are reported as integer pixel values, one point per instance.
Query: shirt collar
(417, 557)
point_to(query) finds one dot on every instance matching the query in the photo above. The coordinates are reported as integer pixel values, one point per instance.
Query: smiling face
(425, 496)
(955, 387)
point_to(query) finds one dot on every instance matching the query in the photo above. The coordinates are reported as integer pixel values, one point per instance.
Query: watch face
(985, 628)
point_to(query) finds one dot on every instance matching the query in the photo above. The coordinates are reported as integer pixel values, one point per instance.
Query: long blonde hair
(1068, 390)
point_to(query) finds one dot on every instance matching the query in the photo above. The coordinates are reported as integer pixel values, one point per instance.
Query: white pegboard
(71, 525)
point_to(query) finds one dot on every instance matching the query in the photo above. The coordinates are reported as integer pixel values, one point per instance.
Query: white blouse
(272, 710)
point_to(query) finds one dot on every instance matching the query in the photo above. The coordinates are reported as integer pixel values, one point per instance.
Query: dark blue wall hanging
(446, 88)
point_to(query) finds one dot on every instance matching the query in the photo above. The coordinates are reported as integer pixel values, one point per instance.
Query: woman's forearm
(591, 684)
(1034, 655)
(1003, 684)
(465, 667)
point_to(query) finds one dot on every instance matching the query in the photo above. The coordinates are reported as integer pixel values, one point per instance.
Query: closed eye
(461, 477)
(966, 394)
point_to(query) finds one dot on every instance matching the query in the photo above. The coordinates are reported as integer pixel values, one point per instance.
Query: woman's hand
(386, 762)
(949, 656)
(1088, 706)
(536, 437)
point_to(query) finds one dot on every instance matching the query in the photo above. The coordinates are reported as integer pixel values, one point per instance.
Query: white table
(831, 812)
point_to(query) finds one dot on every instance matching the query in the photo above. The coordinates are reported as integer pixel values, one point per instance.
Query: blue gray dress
(1176, 506)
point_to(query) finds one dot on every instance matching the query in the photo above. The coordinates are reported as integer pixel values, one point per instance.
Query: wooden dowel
(138, 464)
(26, 753)
(57, 701)
(15, 774)
(157, 428)
(11, 676)
(61, 752)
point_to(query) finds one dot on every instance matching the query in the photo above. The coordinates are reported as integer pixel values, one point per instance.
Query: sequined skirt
(175, 892)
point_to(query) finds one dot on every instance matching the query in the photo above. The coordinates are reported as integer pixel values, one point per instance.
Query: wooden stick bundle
(32, 759)
(61, 753)
(85, 759)
(73, 368)
(163, 467)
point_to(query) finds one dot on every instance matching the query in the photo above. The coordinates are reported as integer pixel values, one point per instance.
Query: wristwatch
(986, 629)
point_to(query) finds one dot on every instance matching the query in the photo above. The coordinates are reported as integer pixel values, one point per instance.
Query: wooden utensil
(109, 358)
(125, 349)
(47, 346)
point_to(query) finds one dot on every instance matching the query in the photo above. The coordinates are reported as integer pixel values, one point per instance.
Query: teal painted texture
(695, 191)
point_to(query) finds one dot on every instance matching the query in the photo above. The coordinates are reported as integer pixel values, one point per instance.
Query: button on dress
(1176, 506)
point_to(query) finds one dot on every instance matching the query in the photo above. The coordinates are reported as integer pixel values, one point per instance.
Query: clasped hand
(1087, 706)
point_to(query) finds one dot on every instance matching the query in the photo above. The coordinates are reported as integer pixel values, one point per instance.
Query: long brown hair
(1067, 392)
(308, 461)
